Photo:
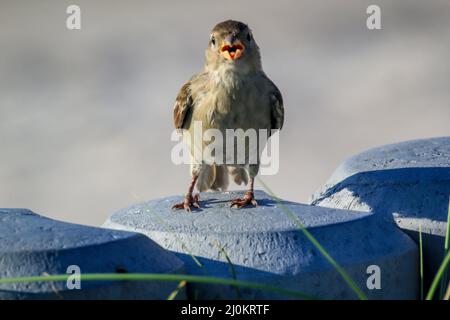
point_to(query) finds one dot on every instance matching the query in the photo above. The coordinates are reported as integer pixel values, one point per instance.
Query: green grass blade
(438, 277)
(162, 277)
(444, 278)
(319, 247)
(447, 235)
(421, 261)
(232, 269)
(447, 293)
(175, 292)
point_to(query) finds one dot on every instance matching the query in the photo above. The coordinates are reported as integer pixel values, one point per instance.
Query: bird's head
(231, 43)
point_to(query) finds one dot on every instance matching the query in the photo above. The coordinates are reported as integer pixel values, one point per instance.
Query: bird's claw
(249, 199)
(188, 202)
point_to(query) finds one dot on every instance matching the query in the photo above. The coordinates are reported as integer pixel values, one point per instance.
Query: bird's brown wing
(183, 106)
(277, 108)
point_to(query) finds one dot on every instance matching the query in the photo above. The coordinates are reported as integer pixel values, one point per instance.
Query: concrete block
(407, 182)
(33, 245)
(265, 246)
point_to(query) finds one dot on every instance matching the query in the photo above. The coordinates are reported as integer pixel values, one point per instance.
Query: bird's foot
(249, 199)
(188, 202)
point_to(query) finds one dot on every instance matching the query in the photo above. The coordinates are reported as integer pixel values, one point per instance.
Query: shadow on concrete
(408, 196)
(208, 203)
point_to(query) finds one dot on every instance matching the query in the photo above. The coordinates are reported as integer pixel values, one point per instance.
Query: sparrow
(232, 92)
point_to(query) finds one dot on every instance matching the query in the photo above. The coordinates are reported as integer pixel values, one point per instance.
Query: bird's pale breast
(241, 104)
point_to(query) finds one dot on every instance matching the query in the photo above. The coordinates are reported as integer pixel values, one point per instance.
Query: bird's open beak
(232, 50)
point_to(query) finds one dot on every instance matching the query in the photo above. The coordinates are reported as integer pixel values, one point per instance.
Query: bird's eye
(249, 37)
(213, 41)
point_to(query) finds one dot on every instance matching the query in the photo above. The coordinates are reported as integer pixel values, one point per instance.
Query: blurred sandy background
(86, 116)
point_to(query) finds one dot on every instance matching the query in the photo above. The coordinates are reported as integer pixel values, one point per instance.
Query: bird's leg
(249, 197)
(189, 200)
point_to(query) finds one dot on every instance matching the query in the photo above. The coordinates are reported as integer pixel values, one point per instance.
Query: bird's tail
(215, 177)
(239, 175)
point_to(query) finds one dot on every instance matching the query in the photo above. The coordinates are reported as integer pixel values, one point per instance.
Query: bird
(232, 92)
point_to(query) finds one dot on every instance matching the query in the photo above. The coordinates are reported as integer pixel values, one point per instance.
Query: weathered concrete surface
(408, 181)
(32, 245)
(266, 246)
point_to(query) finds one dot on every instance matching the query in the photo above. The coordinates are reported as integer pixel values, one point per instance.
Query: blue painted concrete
(407, 182)
(33, 245)
(266, 246)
